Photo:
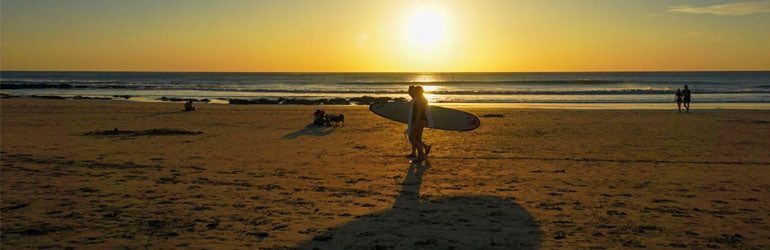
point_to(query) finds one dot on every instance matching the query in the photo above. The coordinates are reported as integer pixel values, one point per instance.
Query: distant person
(188, 106)
(679, 99)
(319, 117)
(417, 122)
(686, 95)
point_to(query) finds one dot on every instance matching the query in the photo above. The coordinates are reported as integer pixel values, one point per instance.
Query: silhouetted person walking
(679, 99)
(686, 95)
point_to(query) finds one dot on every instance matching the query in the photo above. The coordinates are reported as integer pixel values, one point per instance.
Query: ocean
(564, 88)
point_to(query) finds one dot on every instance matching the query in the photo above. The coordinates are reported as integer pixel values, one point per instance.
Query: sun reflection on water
(427, 78)
(424, 78)
(431, 97)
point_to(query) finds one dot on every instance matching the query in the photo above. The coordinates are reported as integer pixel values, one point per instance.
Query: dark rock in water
(174, 99)
(367, 100)
(254, 101)
(162, 131)
(492, 115)
(4, 95)
(91, 98)
(49, 97)
(336, 101)
(34, 86)
(299, 101)
(122, 96)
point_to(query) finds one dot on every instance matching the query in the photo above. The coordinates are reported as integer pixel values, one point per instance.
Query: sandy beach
(243, 177)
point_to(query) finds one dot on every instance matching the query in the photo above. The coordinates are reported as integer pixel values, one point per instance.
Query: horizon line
(375, 72)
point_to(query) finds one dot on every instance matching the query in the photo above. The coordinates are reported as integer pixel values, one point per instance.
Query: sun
(426, 28)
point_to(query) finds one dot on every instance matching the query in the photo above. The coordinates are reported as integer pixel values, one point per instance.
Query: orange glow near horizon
(367, 36)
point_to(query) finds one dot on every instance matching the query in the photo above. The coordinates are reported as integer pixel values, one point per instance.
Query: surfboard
(443, 118)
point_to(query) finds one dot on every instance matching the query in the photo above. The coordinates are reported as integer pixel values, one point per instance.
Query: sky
(384, 36)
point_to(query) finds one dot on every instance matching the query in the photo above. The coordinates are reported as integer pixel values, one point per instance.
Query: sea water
(565, 88)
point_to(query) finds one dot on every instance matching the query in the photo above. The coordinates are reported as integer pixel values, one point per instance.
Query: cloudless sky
(372, 36)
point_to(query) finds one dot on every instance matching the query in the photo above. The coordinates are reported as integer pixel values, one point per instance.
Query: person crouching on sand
(188, 106)
(678, 98)
(417, 122)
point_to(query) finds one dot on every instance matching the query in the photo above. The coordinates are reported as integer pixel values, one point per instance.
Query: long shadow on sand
(462, 222)
(310, 129)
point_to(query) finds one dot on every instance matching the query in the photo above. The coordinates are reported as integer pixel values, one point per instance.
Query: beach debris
(156, 131)
(493, 115)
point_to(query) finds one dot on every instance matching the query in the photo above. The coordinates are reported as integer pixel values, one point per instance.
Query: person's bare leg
(414, 151)
(416, 145)
(679, 105)
(426, 147)
(420, 155)
(418, 142)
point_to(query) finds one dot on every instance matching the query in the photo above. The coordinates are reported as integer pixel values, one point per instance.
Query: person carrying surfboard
(419, 118)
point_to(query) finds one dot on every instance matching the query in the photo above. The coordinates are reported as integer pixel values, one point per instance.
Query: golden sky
(375, 36)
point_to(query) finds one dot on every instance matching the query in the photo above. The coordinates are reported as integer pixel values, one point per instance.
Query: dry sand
(257, 177)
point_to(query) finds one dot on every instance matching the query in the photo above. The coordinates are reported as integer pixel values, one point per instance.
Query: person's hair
(418, 90)
(685, 86)
(677, 90)
(411, 90)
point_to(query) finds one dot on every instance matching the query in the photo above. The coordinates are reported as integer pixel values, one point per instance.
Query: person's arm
(421, 105)
(415, 112)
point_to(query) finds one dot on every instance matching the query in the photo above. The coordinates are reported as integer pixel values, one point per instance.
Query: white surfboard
(443, 118)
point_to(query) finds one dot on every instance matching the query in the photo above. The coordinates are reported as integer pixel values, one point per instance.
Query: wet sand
(256, 176)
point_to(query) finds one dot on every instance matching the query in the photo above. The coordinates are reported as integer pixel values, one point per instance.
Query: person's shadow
(310, 129)
(463, 222)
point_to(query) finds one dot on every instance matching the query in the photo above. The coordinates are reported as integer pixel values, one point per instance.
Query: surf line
(595, 160)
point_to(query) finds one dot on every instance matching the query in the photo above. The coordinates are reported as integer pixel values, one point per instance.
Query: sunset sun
(426, 28)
